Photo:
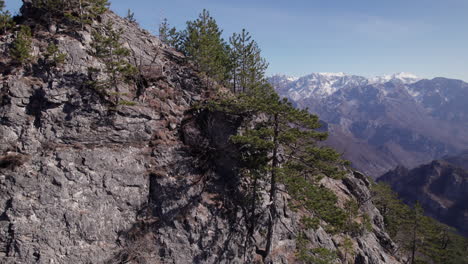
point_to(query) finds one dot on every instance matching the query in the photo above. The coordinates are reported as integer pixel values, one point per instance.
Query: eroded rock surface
(85, 181)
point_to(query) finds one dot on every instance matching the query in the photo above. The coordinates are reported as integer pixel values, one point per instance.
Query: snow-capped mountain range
(321, 85)
(382, 122)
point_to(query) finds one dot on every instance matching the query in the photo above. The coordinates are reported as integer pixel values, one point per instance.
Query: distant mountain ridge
(325, 84)
(441, 187)
(382, 122)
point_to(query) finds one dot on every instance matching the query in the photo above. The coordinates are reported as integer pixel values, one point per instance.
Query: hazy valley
(380, 123)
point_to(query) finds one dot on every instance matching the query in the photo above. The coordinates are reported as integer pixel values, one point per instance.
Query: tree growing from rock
(130, 16)
(53, 56)
(421, 238)
(169, 35)
(77, 11)
(280, 147)
(107, 47)
(22, 45)
(6, 21)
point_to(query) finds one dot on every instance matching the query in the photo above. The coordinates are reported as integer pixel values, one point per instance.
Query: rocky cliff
(440, 186)
(85, 180)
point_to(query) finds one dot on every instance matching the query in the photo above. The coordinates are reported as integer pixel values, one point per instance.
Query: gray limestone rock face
(84, 180)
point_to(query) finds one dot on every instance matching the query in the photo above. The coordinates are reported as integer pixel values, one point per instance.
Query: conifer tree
(107, 47)
(415, 222)
(6, 21)
(130, 16)
(78, 11)
(202, 42)
(169, 35)
(22, 45)
(283, 147)
(53, 57)
(248, 69)
(391, 207)
(422, 238)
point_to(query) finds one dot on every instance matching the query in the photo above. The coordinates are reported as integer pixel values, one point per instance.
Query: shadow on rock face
(197, 211)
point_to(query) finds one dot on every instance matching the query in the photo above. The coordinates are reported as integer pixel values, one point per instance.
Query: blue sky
(363, 37)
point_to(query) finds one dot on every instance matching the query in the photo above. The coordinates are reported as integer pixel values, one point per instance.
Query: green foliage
(352, 212)
(347, 248)
(170, 36)
(78, 11)
(6, 21)
(367, 222)
(127, 103)
(314, 256)
(130, 16)
(107, 47)
(424, 239)
(53, 56)
(248, 67)
(317, 200)
(310, 223)
(290, 135)
(390, 206)
(202, 43)
(22, 45)
(239, 64)
(277, 142)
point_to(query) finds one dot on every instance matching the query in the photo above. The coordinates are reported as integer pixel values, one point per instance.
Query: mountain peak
(402, 77)
(324, 84)
(407, 75)
(332, 74)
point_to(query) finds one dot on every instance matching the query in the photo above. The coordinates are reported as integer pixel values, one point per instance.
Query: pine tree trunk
(413, 248)
(243, 75)
(234, 87)
(253, 206)
(274, 166)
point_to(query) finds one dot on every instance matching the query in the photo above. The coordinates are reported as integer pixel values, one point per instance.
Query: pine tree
(22, 45)
(415, 222)
(6, 21)
(130, 16)
(283, 147)
(53, 57)
(81, 12)
(421, 237)
(314, 256)
(169, 36)
(248, 69)
(393, 210)
(107, 47)
(203, 44)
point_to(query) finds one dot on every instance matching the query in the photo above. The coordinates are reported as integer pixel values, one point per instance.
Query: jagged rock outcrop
(440, 186)
(83, 180)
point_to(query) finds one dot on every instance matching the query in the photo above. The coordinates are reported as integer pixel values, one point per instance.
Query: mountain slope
(383, 122)
(147, 180)
(440, 186)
